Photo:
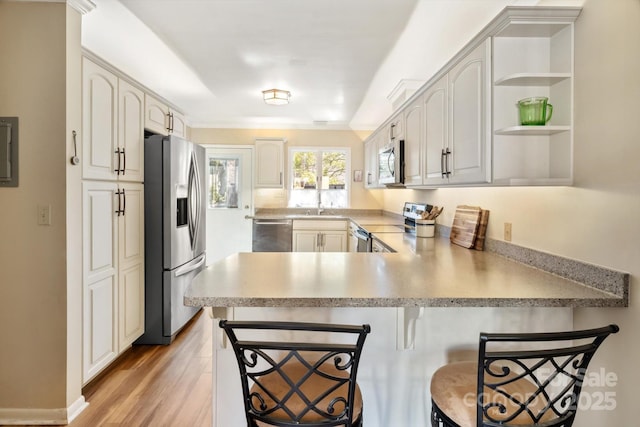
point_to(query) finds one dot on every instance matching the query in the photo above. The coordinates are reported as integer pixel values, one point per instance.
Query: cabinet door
(270, 163)
(99, 122)
(305, 241)
(371, 162)
(334, 241)
(131, 265)
(130, 132)
(396, 128)
(414, 142)
(100, 266)
(436, 113)
(178, 124)
(469, 92)
(155, 115)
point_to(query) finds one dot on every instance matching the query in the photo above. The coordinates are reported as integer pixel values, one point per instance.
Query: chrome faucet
(320, 210)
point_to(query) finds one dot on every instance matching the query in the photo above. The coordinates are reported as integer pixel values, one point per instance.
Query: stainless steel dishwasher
(272, 235)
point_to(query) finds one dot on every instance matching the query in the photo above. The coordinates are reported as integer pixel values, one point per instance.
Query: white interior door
(229, 201)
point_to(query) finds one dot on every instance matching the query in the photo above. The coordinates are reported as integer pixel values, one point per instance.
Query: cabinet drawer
(314, 224)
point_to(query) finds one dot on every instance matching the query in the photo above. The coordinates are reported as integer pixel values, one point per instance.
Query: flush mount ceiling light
(276, 96)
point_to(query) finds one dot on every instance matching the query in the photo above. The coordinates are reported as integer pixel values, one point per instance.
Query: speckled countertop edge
(602, 278)
(395, 302)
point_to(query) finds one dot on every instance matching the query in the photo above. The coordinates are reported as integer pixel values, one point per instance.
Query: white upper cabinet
(396, 128)
(533, 57)
(177, 124)
(130, 161)
(371, 147)
(414, 142)
(436, 114)
(469, 128)
(156, 115)
(463, 127)
(113, 133)
(269, 163)
(99, 122)
(447, 132)
(161, 119)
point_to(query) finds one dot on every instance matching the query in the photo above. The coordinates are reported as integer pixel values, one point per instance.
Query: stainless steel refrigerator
(175, 212)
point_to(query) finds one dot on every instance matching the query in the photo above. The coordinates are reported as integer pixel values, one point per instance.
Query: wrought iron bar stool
(520, 379)
(298, 374)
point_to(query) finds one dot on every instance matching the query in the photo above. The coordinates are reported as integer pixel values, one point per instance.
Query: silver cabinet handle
(117, 212)
(448, 153)
(170, 122)
(124, 160)
(122, 202)
(118, 167)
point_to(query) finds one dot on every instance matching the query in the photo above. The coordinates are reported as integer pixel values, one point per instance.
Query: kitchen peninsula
(443, 276)
(425, 304)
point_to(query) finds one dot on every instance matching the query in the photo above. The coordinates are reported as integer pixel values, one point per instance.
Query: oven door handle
(362, 234)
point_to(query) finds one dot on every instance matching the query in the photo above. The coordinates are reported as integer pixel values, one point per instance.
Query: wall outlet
(507, 231)
(44, 214)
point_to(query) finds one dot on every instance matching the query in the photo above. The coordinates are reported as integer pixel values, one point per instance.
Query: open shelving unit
(533, 56)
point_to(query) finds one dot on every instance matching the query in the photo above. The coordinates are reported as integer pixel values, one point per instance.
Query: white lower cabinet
(113, 271)
(319, 236)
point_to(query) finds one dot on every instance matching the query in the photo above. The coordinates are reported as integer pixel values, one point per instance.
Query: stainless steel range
(413, 211)
(410, 212)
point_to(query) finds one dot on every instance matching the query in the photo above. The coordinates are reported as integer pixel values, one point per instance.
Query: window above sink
(319, 178)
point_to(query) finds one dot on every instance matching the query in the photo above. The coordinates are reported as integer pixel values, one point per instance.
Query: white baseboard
(59, 416)
(76, 408)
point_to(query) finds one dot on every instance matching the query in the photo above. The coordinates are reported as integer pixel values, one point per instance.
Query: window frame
(319, 150)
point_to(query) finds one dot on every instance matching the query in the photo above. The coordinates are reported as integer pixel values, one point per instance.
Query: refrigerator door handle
(194, 200)
(193, 265)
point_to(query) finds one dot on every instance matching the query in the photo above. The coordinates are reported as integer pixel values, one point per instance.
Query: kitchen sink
(315, 216)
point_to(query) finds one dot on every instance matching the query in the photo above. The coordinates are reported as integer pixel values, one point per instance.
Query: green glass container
(535, 111)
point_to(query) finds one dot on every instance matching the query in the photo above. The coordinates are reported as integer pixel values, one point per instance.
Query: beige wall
(33, 258)
(598, 219)
(360, 198)
(74, 208)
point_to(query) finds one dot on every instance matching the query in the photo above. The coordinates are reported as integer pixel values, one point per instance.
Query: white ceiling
(339, 58)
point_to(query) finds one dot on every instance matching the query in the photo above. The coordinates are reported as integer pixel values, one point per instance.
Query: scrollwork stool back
(520, 379)
(308, 379)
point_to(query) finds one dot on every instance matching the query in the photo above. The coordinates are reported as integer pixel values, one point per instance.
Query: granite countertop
(427, 272)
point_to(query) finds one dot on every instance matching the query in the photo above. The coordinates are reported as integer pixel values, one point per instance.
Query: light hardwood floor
(156, 385)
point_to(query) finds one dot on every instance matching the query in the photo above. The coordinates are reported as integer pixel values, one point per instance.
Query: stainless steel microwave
(391, 163)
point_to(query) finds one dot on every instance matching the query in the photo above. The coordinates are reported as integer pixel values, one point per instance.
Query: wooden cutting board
(482, 230)
(465, 225)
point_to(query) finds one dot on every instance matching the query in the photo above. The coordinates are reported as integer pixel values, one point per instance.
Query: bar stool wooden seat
(298, 374)
(520, 379)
